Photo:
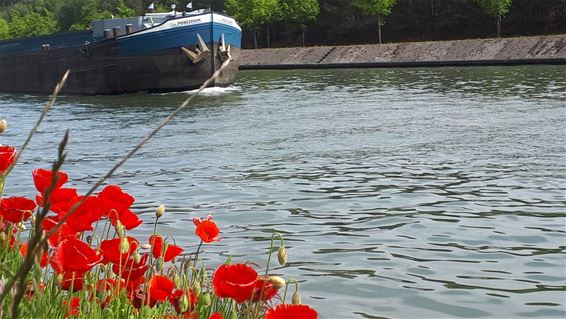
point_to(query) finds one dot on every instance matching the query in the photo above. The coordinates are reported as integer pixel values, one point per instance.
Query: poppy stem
(196, 255)
(292, 280)
(2, 181)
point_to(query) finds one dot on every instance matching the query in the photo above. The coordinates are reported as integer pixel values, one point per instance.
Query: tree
(299, 12)
(89, 11)
(496, 8)
(4, 29)
(252, 14)
(33, 24)
(380, 8)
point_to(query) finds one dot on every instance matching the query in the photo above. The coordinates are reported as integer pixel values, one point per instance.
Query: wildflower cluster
(77, 252)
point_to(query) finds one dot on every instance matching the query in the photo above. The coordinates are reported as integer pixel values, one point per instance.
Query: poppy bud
(59, 278)
(120, 229)
(32, 221)
(3, 125)
(177, 281)
(206, 299)
(196, 288)
(186, 265)
(159, 264)
(184, 303)
(160, 211)
(282, 255)
(124, 245)
(296, 299)
(137, 257)
(277, 282)
(3, 238)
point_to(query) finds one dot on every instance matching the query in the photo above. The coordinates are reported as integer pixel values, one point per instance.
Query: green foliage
(33, 24)
(122, 11)
(89, 12)
(298, 11)
(4, 29)
(375, 7)
(252, 14)
(495, 8)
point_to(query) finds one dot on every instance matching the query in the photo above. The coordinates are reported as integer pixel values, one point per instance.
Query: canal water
(401, 193)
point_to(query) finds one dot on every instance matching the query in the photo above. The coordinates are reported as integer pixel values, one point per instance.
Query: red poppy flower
(176, 297)
(64, 232)
(197, 220)
(110, 250)
(7, 157)
(133, 285)
(82, 217)
(130, 270)
(207, 231)
(116, 204)
(72, 281)
(60, 200)
(215, 315)
(42, 260)
(74, 255)
(126, 217)
(234, 281)
(113, 197)
(73, 306)
(286, 311)
(161, 249)
(263, 288)
(159, 288)
(16, 209)
(42, 179)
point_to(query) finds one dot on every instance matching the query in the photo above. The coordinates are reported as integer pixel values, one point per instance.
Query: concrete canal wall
(507, 51)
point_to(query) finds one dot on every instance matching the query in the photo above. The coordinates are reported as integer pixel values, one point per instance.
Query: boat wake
(211, 91)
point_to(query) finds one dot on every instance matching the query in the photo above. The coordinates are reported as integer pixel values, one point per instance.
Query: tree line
(268, 23)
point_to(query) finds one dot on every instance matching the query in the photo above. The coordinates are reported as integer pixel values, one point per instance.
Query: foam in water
(210, 91)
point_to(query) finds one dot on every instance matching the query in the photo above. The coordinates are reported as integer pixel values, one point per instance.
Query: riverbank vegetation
(69, 255)
(276, 23)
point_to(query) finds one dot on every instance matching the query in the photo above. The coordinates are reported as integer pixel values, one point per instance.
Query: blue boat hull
(150, 61)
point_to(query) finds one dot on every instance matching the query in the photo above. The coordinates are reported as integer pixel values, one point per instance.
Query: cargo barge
(157, 52)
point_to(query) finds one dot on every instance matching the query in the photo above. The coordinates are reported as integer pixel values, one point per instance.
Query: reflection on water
(402, 193)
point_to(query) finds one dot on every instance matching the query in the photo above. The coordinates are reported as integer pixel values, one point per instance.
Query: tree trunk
(498, 27)
(267, 29)
(255, 39)
(379, 28)
(303, 37)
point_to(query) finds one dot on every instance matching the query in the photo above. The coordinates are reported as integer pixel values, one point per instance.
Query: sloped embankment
(508, 51)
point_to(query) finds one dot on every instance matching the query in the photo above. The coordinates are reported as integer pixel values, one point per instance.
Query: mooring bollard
(116, 31)
(106, 33)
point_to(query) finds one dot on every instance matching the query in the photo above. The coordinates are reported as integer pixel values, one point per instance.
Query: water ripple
(401, 193)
